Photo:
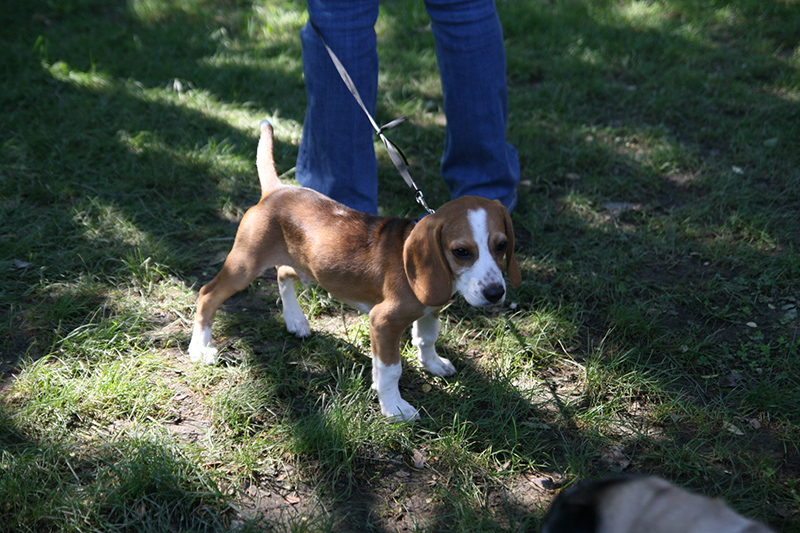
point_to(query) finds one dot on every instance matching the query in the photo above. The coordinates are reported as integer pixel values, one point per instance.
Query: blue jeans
(337, 154)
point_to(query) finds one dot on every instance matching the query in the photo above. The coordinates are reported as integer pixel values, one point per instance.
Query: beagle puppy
(398, 271)
(641, 504)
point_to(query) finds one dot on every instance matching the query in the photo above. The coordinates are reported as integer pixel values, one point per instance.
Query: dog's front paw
(439, 366)
(205, 354)
(399, 411)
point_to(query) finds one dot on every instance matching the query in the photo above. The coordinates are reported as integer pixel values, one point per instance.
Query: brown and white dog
(641, 504)
(398, 271)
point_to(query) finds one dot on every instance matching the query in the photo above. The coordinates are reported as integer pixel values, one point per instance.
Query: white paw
(204, 354)
(439, 366)
(298, 326)
(296, 322)
(200, 348)
(399, 411)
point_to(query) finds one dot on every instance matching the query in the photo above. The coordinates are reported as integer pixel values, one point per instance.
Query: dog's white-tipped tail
(265, 161)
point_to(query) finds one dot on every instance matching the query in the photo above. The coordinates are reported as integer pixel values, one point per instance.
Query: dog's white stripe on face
(484, 273)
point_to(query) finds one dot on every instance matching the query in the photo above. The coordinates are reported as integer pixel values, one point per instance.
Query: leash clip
(421, 201)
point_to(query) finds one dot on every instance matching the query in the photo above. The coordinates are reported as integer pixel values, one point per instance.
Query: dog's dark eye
(462, 253)
(501, 247)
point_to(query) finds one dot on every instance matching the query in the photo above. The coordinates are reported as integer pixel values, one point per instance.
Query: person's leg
(477, 160)
(337, 154)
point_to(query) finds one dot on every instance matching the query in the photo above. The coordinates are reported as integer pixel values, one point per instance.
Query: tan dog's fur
(639, 504)
(397, 271)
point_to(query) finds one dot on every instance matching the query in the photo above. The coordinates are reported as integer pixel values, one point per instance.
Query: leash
(395, 154)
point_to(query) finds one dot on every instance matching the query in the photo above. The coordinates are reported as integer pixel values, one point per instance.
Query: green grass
(656, 330)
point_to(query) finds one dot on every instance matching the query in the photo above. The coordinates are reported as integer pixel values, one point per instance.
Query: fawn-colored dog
(399, 271)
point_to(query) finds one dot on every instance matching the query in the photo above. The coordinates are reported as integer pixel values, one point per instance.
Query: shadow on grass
(138, 483)
(359, 464)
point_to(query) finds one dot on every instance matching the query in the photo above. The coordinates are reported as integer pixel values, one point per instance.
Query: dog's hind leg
(236, 274)
(293, 316)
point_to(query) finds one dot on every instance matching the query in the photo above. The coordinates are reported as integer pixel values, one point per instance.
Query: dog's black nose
(494, 292)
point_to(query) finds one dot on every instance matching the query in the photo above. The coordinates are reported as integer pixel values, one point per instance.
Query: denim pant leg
(477, 160)
(337, 154)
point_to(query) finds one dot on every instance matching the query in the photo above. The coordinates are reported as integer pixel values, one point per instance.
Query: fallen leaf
(531, 423)
(622, 207)
(418, 460)
(542, 483)
(732, 380)
(732, 428)
(769, 143)
(753, 423)
(615, 457)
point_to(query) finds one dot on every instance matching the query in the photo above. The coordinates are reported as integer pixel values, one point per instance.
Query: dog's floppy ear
(426, 267)
(512, 269)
